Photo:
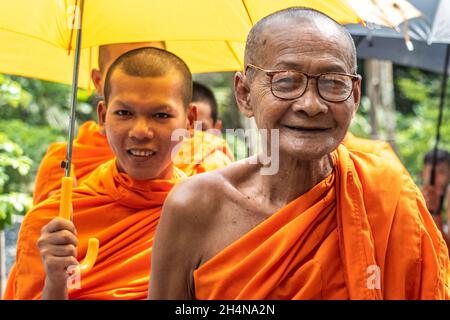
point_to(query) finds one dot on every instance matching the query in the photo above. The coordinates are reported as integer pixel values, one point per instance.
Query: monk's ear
(357, 95)
(96, 76)
(101, 115)
(192, 115)
(242, 94)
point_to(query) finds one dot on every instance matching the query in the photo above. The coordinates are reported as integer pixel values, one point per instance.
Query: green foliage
(34, 140)
(34, 114)
(416, 127)
(13, 165)
(416, 135)
(360, 125)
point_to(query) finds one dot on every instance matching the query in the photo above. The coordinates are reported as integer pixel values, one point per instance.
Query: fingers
(63, 237)
(58, 224)
(59, 231)
(60, 250)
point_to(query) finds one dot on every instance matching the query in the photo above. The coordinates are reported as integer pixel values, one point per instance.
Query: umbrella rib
(72, 27)
(248, 12)
(230, 47)
(32, 37)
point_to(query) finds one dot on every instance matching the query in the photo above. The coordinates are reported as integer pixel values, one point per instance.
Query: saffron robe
(121, 213)
(362, 233)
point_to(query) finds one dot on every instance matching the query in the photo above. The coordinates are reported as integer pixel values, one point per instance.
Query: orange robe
(362, 233)
(91, 149)
(203, 152)
(377, 147)
(121, 213)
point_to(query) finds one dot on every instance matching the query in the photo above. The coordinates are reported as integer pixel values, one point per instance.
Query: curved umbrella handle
(91, 255)
(65, 211)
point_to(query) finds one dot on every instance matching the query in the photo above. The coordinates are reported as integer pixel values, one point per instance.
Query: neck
(294, 178)
(166, 174)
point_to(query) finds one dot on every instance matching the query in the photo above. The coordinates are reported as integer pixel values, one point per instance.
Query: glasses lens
(288, 84)
(335, 87)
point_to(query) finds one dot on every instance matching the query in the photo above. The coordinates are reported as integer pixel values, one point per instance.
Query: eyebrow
(297, 67)
(161, 107)
(122, 104)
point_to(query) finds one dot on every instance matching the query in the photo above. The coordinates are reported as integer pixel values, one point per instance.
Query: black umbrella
(422, 42)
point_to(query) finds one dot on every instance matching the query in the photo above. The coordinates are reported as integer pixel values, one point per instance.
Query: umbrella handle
(66, 213)
(91, 255)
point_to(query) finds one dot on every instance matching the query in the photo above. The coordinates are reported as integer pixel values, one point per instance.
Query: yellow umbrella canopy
(118, 21)
(30, 57)
(36, 37)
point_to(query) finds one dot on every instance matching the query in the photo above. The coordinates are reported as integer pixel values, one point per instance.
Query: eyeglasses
(290, 84)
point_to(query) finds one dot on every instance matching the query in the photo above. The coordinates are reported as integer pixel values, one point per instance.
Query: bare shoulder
(198, 198)
(189, 219)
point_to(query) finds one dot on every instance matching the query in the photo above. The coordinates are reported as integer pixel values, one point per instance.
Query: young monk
(147, 93)
(329, 224)
(204, 150)
(91, 148)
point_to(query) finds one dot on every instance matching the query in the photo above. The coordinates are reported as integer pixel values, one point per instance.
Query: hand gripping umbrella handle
(65, 212)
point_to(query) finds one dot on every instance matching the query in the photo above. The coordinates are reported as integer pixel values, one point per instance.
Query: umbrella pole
(439, 124)
(65, 209)
(73, 97)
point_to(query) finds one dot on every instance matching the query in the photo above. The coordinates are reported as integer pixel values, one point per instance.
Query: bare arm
(177, 245)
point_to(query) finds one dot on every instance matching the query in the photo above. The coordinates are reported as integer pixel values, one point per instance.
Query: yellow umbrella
(35, 37)
(118, 21)
(30, 57)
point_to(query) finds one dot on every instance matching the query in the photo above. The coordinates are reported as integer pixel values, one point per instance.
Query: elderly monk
(91, 148)
(329, 224)
(147, 93)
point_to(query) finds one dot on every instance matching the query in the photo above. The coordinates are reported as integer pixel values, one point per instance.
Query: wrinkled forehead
(303, 43)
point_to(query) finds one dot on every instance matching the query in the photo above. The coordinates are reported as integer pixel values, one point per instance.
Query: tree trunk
(387, 100)
(372, 81)
(379, 81)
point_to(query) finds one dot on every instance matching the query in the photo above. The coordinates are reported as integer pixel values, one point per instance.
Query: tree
(12, 164)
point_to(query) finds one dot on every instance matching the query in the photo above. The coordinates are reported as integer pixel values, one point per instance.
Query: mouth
(141, 154)
(308, 129)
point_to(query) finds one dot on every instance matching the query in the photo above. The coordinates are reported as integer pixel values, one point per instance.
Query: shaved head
(151, 62)
(257, 37)
(110, 52)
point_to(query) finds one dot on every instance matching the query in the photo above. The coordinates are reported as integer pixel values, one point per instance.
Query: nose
(310, 102)
(141, 130)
